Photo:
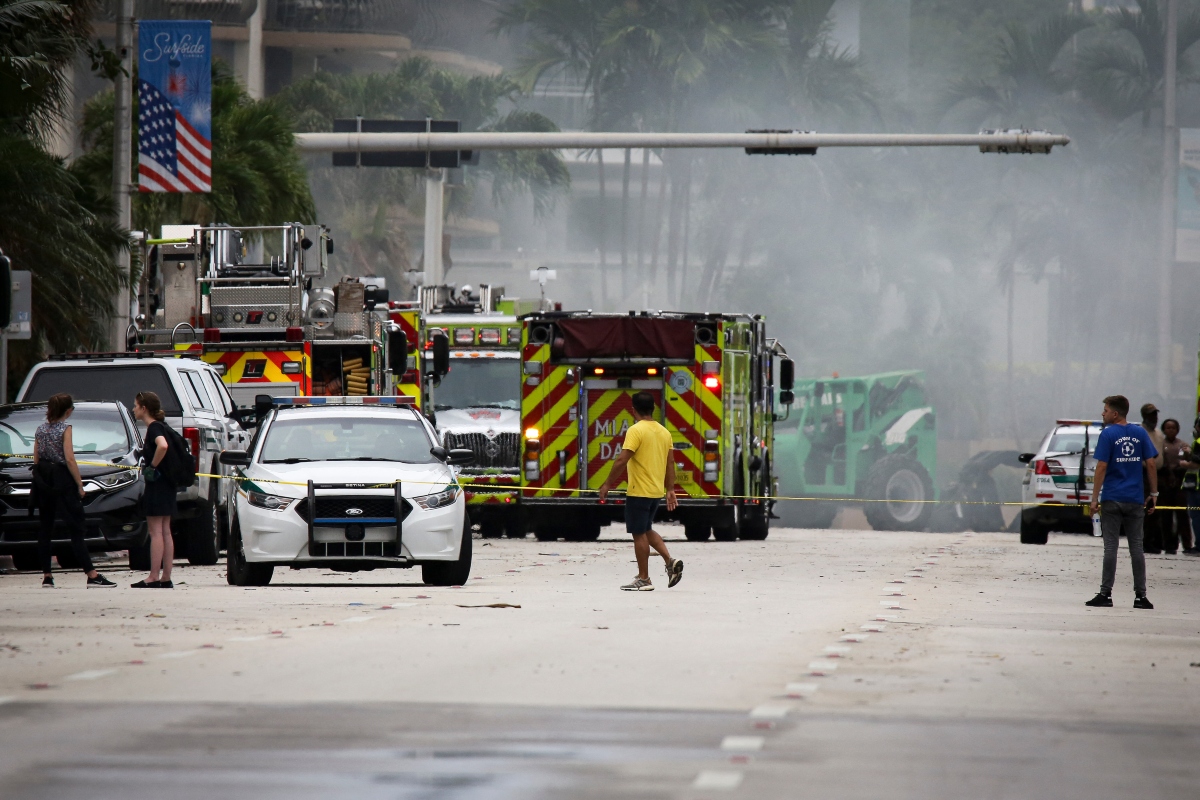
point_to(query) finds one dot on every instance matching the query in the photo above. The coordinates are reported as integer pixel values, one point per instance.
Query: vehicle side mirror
(441, 355)
(787, 397)
(787, 377)
(329, 246)
(1025, 458)
(235, 458)
(262, 404)
(439, 452)
(460, 457)
(397, 351)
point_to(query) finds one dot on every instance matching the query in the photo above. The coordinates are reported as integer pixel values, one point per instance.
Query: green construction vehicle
(871, 438)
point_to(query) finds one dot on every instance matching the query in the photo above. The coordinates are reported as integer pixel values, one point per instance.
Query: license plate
(683, 476)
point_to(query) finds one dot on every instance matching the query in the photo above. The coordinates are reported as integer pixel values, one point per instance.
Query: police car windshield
(333, 437)
(480, 383)
(1072, 442)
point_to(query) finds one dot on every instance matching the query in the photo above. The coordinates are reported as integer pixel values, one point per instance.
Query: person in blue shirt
(1123, 451)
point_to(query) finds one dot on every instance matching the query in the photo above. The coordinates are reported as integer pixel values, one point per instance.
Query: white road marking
(770, 711)
(717, 779)
(853, 637)
(876, 627)
(179, 654)
(823, 667)
(359, 619)
(891, 605)
(90, 675)
(245, 638)
(6, 699)
(836, 650)
(801, 689)
(742, 743)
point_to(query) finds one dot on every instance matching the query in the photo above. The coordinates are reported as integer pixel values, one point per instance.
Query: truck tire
(725, 533)
(898, 487)
(753, 524)
(546, 533)
(491, 528)
(239, 571)
(139, 556)
(806, 514)
(585, 531)
(450, 573)
(1032, 533)
(697, 531)
(204, 535)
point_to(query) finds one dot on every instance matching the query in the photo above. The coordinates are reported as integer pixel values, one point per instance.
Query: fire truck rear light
(711, 433)
(712, 382)
(294, 334)
(290, 368)
(709, 457)
(710, 367)
(597, 370)
(533, 368)
(489, 336)
(192, 437)
(710, 445)
(212, 334)
(464, 336)
(652, 371)
(430, 333)
(532, 433)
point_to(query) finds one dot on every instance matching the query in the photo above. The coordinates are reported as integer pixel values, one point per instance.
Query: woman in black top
(159, 497)
(59, 489)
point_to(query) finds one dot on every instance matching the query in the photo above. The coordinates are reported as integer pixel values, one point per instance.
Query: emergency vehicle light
(294, 334)
(489, 336)
(344, 401)
(652, 370)
(532, 433)
(290, 368)
(464, 335)
(712, 382)
(1088, 422)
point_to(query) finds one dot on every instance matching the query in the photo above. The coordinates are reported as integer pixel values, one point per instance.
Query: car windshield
(93, 430)
(346, 438)
(1072, 442)
(480, 383)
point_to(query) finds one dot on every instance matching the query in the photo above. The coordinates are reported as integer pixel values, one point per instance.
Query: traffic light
(5, 290)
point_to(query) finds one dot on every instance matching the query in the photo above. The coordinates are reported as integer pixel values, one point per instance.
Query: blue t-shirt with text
(1124, 448)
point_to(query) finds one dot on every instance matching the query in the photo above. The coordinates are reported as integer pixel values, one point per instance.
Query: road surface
(817, 663)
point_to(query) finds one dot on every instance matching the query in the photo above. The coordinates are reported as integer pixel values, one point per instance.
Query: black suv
(107, 446)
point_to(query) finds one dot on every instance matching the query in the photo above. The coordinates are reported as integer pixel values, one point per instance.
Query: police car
(1054, 495)
(347, 483)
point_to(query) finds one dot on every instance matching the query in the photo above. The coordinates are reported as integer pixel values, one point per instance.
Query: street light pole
(123, 164)
(1169, 180)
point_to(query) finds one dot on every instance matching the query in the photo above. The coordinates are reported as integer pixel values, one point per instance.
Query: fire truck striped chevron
(548, 403)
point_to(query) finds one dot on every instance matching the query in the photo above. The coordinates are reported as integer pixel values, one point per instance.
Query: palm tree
(50, 223)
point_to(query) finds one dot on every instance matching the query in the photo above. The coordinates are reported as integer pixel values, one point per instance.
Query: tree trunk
(625, 225)
(687, 232)
(674, 224)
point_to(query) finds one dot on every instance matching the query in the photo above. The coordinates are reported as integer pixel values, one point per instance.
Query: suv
(1054, 493)
(196, 403)
(106, 445)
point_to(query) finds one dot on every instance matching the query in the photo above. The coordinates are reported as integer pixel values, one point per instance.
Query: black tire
(547, 533)
(725, 533)
(139, 556)
(239, 571)
(27, 560)
(450, 573)
(1032, 533)
(491, 528)
(697, 532)
(899, 488)
(806, 514)
(753, 524)
(204, 535)
(585, 532)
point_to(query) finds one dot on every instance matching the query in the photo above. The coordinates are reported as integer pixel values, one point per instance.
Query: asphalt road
(814, 664)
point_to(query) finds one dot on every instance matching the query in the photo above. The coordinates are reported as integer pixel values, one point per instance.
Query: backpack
(180, 463)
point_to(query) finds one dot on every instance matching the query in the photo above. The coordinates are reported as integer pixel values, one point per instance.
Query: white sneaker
(638, 585)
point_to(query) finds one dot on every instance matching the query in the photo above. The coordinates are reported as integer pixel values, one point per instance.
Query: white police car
(1055, 495)
(348, 484)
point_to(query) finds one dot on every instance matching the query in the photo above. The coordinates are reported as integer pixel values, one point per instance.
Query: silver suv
(196, 403)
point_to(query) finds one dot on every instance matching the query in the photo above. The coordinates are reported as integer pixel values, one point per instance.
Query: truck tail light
(192, 437)
(294, 334)
(489, 336)
(712, 382)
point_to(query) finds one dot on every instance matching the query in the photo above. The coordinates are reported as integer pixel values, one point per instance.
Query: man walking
(647, 454)
(1152, 534)
(1123, 451)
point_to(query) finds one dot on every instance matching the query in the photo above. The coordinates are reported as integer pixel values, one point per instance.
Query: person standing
(159, 497)
(1152, 530)
(59, 489)
(1123, 452)
(1174, 523)
(647, 454)
(1191, 488)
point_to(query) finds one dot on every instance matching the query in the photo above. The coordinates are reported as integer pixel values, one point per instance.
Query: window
(106, 383)
(333, 437)
(94, 430)
(480, 383)
(196, 391)
(217, 389)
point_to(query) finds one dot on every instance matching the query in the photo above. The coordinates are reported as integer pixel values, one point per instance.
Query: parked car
(107, 445)
(1057, 487)
(196, 403)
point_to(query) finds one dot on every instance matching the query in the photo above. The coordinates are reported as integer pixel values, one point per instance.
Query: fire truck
(248, 302)
(712, 377)
(475, 399)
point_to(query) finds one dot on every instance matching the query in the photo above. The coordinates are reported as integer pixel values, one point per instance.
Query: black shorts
(639, 514)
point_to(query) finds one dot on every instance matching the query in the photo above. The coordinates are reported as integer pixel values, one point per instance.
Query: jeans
(61, 498)
(1116, 518)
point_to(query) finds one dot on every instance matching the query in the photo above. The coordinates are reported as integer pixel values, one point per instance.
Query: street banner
(175, 106)
(1187, 218)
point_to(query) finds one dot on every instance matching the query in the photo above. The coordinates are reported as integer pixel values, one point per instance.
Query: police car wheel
(239, 571)
(450, 573)
(1032, 533)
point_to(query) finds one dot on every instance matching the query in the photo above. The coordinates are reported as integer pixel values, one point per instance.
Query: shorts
(639, 514)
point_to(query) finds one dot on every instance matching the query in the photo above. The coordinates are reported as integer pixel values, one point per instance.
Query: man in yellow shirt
(647, 453)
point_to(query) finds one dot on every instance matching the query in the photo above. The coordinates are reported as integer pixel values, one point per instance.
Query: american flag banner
(174, 106)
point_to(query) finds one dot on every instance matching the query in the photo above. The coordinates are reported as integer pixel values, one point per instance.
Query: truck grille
(502, 451)
(372, 508)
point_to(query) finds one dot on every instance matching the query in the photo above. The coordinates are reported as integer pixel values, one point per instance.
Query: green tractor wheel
(898, 489)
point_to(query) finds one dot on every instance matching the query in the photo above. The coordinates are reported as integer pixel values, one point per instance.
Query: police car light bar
(344, 401)
(1088, 422)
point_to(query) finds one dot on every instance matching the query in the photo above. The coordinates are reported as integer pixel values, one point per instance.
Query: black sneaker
(47, 582)
(144, 584)
(99, 582)
(1101, 600)
(1142, 602)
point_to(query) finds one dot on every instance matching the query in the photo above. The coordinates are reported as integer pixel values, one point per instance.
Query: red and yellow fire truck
(712, 378)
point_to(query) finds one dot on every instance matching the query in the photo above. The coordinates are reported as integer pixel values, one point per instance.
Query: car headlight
(271, 502)
(438, 500)
(113, 480)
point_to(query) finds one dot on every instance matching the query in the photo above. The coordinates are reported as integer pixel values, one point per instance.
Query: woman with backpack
(58, 489)
(159, 496)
